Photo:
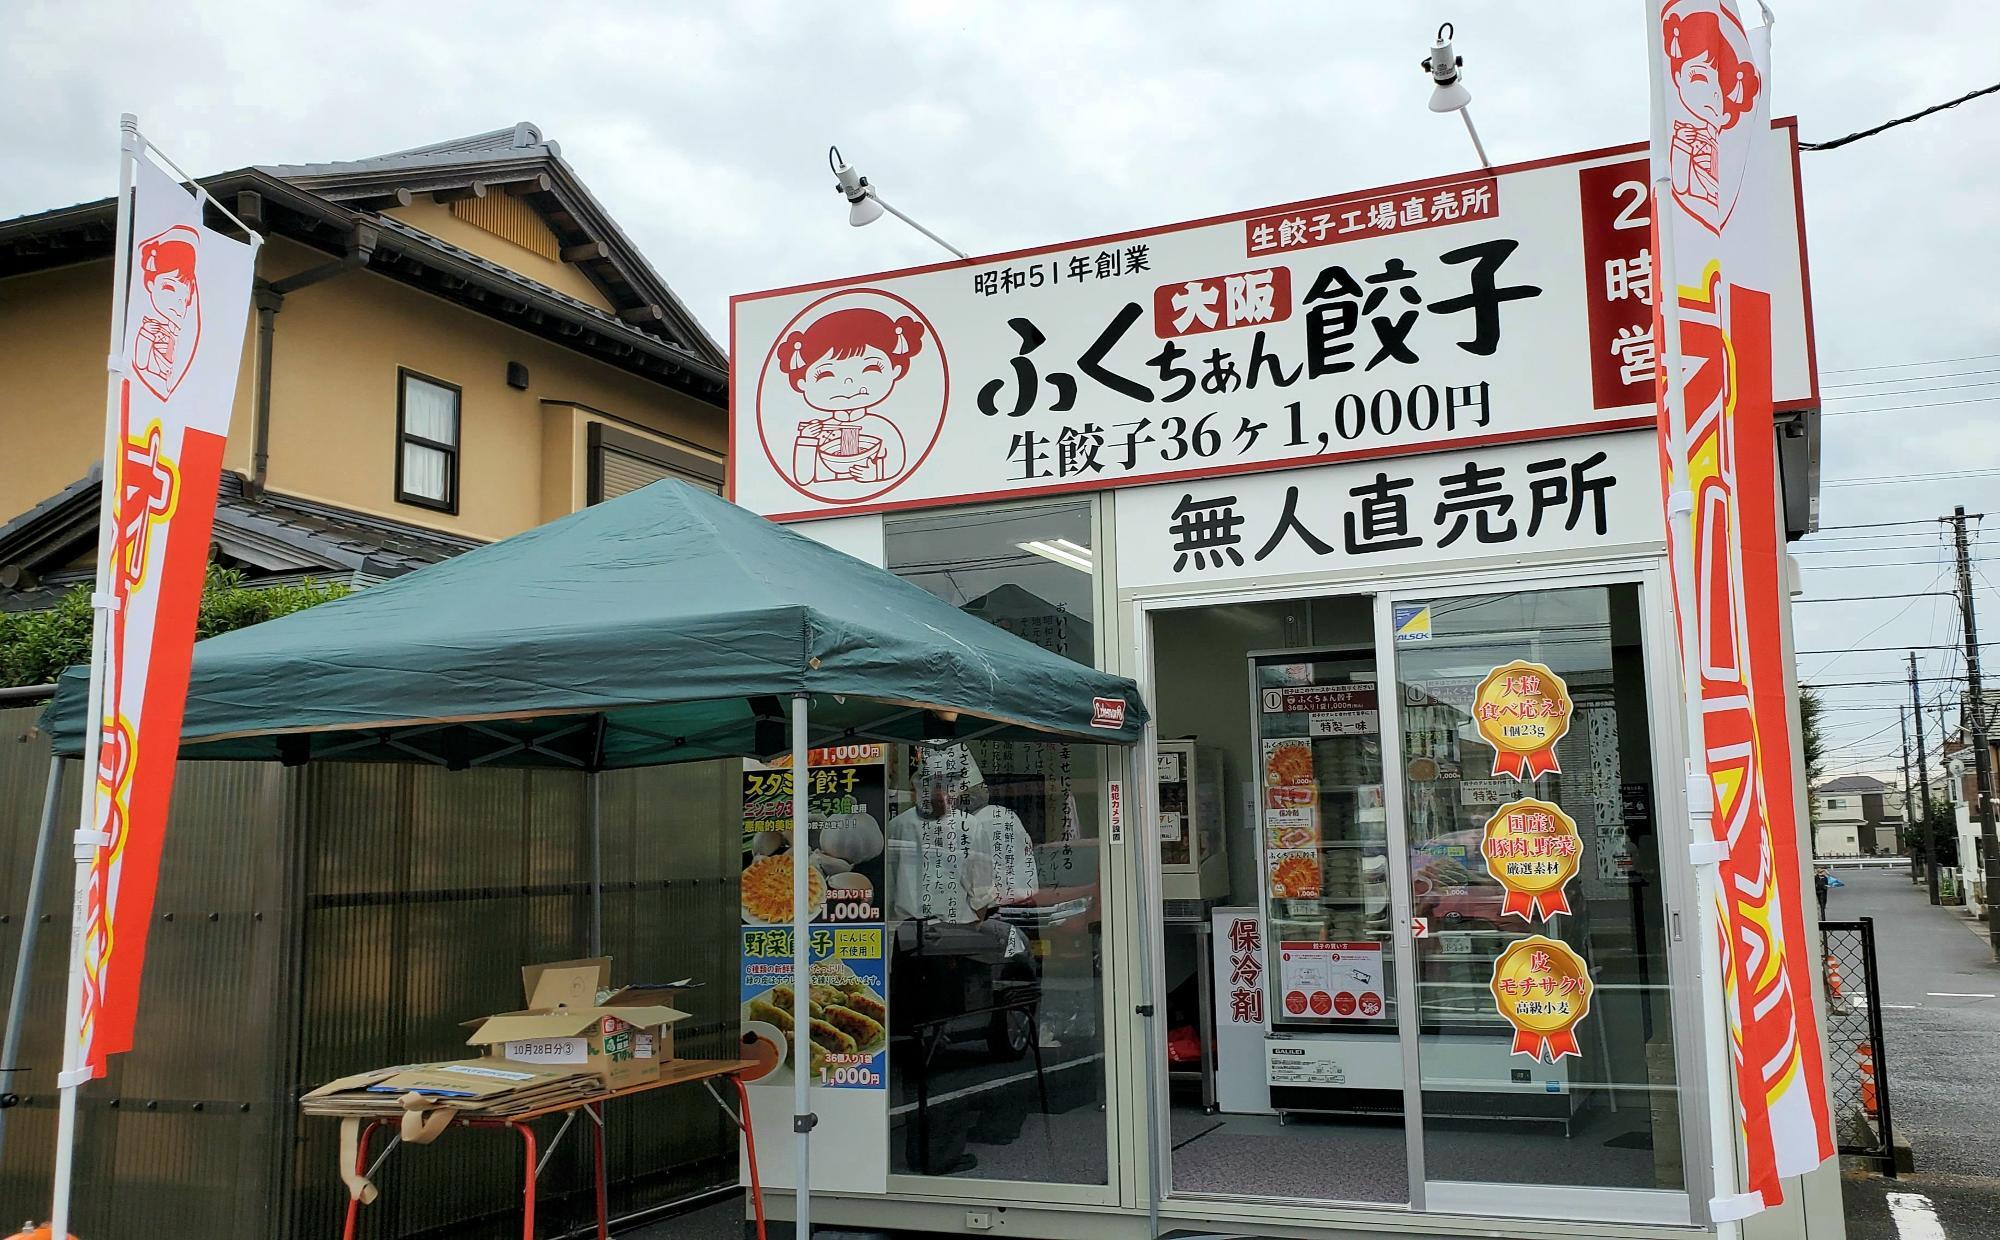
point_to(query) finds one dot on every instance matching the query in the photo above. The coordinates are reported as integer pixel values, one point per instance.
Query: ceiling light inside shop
(1062, 551)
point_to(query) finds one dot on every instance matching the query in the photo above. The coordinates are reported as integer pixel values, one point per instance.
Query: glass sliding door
(1276, 940)
(1544, 1025)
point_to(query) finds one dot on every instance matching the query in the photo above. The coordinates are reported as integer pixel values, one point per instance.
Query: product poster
(1294, 875)
(849, 800)
(847, 1036)
(849, 1031)
(1238, 961)
(1331, 979)
(1542, 988)
(1532, 849)
(1522, 709)
(1330, 710)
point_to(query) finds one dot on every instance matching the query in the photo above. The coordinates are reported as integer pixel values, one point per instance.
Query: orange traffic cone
(1870, 1101)
(1833, 986)
(31, 1232)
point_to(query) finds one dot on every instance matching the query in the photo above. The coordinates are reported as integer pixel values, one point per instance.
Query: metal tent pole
(594, 796)
(802, 1117)
(17, 1001)
(74, 1071)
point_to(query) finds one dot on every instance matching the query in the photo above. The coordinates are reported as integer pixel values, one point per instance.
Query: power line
(1835, 568)
(1870, 598)
(1903, 391)
(1949, 374)
(1883, 480)
(1859, 134)
(1935, 361)
(1930, 404)
(1891, 649)
(1878, 525)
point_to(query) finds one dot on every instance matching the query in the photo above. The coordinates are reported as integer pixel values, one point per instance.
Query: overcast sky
(703, 128)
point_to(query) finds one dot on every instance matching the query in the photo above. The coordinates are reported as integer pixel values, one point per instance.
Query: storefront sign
(1341, 980)
(1522, 709)
(1542, 988)
(1499, 501)
(1451, 313)
(1532, 849)
(1330, 710)
(1719, 177)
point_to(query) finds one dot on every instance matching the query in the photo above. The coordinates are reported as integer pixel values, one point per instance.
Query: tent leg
(594, 794)
(802, 1117)
(17, 1001)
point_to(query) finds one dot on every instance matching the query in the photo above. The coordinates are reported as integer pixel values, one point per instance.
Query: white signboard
(1237, 947)
(1458, 312)
(1585, 493)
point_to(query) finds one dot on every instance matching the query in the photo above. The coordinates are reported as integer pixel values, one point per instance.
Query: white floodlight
(865, 205)
(1448, 93)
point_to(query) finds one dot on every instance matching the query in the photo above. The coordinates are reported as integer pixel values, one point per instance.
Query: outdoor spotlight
(862, 207)
(1448, 93)
(865, 206)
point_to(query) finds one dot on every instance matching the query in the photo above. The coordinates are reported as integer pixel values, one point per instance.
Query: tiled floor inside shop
(1256, 1156)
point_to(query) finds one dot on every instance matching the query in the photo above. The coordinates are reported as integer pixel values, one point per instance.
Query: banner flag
(1710, 156)
(187, 305)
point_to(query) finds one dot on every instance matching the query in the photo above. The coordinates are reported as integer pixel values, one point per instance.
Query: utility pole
(1924, 778)
(1982, 757)
(1909, 804)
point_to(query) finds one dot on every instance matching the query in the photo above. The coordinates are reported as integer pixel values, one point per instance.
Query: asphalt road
(1941, 1022)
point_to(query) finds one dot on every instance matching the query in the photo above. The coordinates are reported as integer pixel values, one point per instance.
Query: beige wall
(57, 327)
(333, 402)
(437, 220)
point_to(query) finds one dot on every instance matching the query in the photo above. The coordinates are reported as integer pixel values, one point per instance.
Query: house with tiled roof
(1855, 816)
(449, 344)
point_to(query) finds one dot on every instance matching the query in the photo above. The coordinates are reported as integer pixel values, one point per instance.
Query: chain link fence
(1857, 1065)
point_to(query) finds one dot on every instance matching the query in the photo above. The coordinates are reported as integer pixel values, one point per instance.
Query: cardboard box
(575, 1020)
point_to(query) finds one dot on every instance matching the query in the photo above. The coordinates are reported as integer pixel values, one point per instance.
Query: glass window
(427, 427)
(1546, 1040)
(997, 983)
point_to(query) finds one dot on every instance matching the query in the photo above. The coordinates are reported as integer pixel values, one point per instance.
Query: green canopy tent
(667, 625)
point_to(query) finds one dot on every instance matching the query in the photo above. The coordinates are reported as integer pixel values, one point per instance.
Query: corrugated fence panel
(182, 1125)
(328, 920)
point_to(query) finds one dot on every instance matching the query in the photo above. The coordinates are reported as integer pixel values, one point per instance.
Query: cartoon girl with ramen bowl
(845, 364)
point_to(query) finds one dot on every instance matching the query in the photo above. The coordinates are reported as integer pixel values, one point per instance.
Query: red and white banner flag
(186, 308)
(1709, 150)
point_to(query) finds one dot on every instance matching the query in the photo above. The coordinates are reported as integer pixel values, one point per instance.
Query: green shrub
(35, 646)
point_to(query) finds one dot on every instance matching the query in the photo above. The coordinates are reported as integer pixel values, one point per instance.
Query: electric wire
(1859, 134)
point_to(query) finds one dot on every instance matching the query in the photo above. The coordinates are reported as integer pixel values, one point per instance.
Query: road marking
(1953, 994)
(1914, 1218)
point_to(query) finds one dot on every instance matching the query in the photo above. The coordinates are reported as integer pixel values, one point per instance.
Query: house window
(1834, 803)
(621, 462)
(427, 428)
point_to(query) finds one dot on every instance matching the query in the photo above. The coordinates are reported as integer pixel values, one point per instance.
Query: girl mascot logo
(1716, 84)
(873, 382)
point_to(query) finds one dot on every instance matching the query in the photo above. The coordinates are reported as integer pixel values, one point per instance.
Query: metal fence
(1857, 1058)
(334, 918)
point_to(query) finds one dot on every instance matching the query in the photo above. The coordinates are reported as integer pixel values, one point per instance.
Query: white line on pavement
(1954, 994)
(1914, 1218)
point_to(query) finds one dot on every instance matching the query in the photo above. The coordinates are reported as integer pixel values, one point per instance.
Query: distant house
(449, 345)
(1856, 816)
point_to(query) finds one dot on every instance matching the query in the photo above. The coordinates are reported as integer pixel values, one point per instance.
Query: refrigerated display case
(1194, 864)
(1324, 840)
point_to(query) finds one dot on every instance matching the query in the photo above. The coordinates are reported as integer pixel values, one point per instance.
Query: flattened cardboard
(566, 983)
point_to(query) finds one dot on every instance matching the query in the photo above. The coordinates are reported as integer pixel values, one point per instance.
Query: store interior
(1271, 800)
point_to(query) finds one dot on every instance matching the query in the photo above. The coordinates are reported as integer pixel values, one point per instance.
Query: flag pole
(88, 836)
(1705, 852)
